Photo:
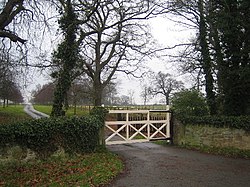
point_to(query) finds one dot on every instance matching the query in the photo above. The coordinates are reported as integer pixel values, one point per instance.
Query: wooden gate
(129, 126)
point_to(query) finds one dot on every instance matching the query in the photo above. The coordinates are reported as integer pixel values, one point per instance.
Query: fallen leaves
(90, 169)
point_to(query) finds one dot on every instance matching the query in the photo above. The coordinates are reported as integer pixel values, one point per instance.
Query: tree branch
(12, 37)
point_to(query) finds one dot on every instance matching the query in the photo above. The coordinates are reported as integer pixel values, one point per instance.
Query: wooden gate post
(102, 136)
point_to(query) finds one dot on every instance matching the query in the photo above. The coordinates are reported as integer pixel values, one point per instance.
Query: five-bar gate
(128, 126)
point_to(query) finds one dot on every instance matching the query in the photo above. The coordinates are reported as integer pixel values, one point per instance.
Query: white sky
(167, 34)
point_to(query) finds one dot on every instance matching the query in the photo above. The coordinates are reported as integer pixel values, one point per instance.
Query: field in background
(137, 107)
(84, 109)
(12, 113)
(79, 110)
(15, 112)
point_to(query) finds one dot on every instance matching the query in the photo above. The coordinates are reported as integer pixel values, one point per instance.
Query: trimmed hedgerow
(45, 136)
(238, 122)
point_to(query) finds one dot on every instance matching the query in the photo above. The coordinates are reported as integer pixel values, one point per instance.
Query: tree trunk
(98, 90)
(62, 87)
(74, 100)
(221, 67)
(206, 61)
(4, 102)
(167, 99)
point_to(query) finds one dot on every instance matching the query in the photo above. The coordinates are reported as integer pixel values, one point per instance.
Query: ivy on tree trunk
(66, 56)
(206, 60)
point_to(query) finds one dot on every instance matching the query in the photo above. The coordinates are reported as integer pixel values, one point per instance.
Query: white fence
(129, 126)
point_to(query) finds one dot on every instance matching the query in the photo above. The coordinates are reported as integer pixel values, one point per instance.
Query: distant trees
(44, 94)
(76, 95)
(164, 85)
(9, 89)
(145, 94)
(80, 93)
(123, 100)
(109, 96)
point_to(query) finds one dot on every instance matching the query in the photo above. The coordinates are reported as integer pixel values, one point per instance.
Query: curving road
(34, 113)
(151, 165)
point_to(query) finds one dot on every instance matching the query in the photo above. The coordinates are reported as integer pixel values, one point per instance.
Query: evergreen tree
(233, 27)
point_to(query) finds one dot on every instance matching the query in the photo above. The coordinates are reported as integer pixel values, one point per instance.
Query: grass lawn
(70, 112)
(12, 113)
(83, 170)
(43, 108)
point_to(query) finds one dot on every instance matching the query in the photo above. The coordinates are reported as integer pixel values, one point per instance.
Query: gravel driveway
(151, 165)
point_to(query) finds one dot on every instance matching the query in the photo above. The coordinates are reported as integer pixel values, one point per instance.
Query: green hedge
(99, 111)
(238, 122)
(45, 136)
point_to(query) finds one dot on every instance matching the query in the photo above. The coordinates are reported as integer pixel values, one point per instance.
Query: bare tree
(80, 93)
(145, 94)
(123, 100)
(119, 40)
(110, 93)
(165, 85)
(131, 95)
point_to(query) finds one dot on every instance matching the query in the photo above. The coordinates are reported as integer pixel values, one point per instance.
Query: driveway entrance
(151, 165)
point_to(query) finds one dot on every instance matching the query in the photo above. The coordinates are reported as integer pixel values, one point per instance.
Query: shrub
(189, 103)
(45, 136)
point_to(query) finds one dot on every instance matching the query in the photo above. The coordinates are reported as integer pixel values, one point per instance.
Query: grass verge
(223, 151)
(12, 113)
(161, 142)
(94, 169)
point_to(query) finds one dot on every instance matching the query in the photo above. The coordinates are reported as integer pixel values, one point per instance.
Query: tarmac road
(151, 165)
